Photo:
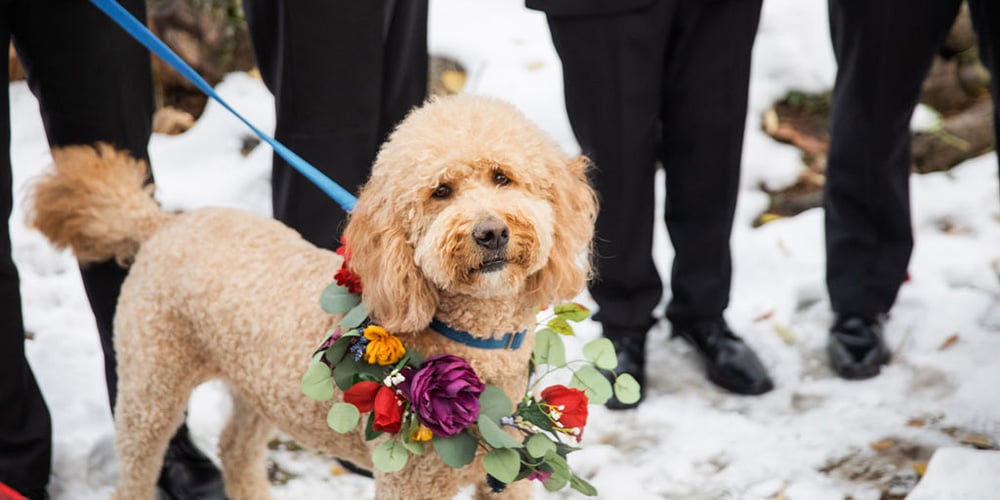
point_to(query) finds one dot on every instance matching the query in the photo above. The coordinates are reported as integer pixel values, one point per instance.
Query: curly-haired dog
(471, 216)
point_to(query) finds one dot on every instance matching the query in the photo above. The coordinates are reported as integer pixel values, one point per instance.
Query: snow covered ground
(814, 437)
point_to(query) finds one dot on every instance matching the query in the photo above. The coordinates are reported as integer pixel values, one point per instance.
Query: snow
(688, 439)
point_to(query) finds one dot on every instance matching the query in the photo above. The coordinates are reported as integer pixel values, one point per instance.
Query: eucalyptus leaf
(572, 311)
(343, 417)
(593, 383)
(316, 383)
(344, 373)
(560, 472)
(579, 484)
(602, 353)
(627, 389)
(549, 349)
(355, 316)
(560, 326)
(390, 456)
(494, 403)
(336, 351)
(456, 451)
(503, 464)
(415, 447)
(538, 445)
(335, 299)
(494, 435)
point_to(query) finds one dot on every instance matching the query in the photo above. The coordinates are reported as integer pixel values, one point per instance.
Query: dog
(471, 216)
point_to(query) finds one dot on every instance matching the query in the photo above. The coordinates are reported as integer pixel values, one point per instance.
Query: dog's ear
(574, 205)
(396, 293)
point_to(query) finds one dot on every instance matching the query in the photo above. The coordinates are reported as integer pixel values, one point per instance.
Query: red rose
(346, 278)
(388, 411)
(567, 407)
(362, 395)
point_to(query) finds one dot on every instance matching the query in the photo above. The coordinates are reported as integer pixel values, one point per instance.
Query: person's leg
(706, 75)
(705, 87)
(986, 19)
(25, 429)
(93, 83)
(326, 63)
(883, 49)
(883, 52)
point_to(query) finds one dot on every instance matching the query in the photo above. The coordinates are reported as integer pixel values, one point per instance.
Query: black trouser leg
(612, 99)
(883, 52)
(343, 73)
(705, 86)
(93, 83)
(25, 429)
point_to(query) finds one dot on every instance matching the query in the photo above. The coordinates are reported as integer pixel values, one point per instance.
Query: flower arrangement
(440, 400)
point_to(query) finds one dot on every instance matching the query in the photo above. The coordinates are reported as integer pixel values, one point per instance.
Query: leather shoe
(187, 473)
(631, 351)
(856, 347)
(730, 362)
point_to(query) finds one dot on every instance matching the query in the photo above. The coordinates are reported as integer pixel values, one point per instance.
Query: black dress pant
(93, 83)
(884, 49)
(668, 83)
(343, 73)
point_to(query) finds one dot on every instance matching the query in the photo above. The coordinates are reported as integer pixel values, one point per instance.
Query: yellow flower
(383, 347)
(421, 434)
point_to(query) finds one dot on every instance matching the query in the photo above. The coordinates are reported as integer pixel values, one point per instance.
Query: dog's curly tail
(96, 201)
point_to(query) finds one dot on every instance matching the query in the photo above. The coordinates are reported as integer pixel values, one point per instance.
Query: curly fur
(221, 293)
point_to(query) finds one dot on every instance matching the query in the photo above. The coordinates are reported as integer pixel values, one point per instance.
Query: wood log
(962, 136)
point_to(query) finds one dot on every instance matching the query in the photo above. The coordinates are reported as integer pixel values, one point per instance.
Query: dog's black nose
(491, 233)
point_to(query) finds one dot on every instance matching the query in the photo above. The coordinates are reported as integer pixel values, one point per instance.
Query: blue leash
(138, 30)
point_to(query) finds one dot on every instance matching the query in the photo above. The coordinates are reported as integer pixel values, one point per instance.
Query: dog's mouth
(491, 265)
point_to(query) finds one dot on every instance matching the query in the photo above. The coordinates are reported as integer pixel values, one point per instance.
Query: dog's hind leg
(154, 381)
(242, 449)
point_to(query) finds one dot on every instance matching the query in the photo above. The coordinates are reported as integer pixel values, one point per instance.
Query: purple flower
(444, 393)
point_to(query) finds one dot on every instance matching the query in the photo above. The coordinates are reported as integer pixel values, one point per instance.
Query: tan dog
(471, 216)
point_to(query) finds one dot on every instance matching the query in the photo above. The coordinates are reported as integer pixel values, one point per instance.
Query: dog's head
(467, 197)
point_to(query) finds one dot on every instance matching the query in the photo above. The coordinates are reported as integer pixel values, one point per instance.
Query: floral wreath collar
(441, 402)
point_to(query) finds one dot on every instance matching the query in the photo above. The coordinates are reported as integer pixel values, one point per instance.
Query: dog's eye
(500, 179)
(442, 191)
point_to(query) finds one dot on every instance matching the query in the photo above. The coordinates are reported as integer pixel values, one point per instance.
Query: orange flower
(421, 433)
(383, 347)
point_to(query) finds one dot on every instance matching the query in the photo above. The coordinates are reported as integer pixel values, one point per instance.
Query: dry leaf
(337, 470)
(764, 316)
(453, 80)
(948, 342)
(920, 467)
(786, 334)
(771, 121)
(535, 65)
(882, 445)
(768, 217)
(916, 422)
(981, 441)
(255, 74)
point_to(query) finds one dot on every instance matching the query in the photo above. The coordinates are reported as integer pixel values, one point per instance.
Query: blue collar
(508, 341)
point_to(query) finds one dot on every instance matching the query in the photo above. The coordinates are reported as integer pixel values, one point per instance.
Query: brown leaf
(981, 441)
(764, 316)
(882, 445)
(916, 422)
(786, 334)
(948, 342)
(920, 467)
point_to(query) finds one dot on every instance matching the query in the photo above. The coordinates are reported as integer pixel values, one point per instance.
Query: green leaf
(538, 445)
(503, 464)
(390, 456)
(549, 349)
(494, 435)
(336, 351)
(579, 484)
(456, 451)
(316, 383)
(355, 316)
(335, 299)
(560, 472)
(415, 447)
(572, 311)
(344, 373)
(602, 353)
(370, 432)
(343, 417)
(560, 326)
(532, 413)
(494, 403)
(592, 382)
(627, 389)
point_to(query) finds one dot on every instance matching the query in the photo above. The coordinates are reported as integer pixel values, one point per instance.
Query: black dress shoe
(631, 351)
(730, 362)
(856, 348)
(187, 473)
